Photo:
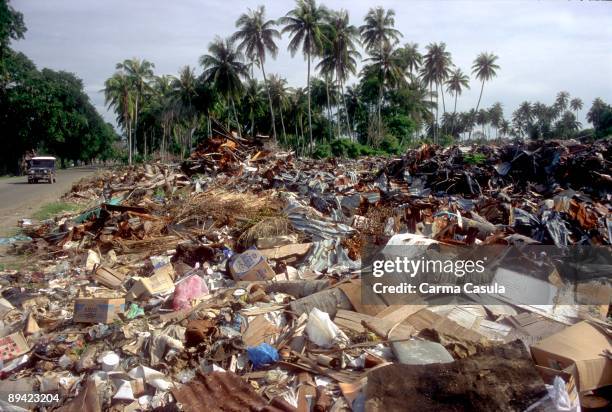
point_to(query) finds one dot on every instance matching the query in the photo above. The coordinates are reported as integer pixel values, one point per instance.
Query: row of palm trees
(331, 44)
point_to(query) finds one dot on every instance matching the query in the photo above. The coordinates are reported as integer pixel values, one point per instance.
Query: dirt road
(19, 199)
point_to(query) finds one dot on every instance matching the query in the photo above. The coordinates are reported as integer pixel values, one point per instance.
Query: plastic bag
(322, 331)
(262, 354)
(190, 288)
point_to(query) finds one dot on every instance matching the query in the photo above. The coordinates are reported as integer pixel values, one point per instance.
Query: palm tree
(304, 25)
(378, 35)
(224, 67)
(522, 117)
(185, 93)
(456, 83)
(562, 101)
(567, 125)
(436, 69)
(257, 37)
(387, 68)
(140, 73)
(594, 115)
(340, 57)
(253, 103)
(576, 104)
(378, 29)
(119, 94)
(504, 127)
(496, 115)
(484, 68)
(410, 58)
(280, 99)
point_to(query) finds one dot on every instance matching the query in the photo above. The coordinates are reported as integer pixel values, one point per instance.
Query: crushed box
(97, 310)
(159, 282)
(250, 265)
(581, 345)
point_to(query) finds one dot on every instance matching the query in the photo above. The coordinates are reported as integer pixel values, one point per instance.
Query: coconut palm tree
(340, 56)
(436, 70)
(256, 36)
(388, 71)
(484, 68)
(456, 83)
(522, 117)
(119, 94)
(504, 128)
(253, 103)
(410, 58)
(576, 104)
(562, 101)
(224, 67)
(185, 93)
(496, 115)
(140, 73)
(304, 25)
(280, 97)
(378, 29)
(594, 115)
(567, 125)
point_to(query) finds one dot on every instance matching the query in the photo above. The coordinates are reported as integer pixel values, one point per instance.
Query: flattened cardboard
(287, 251)
(581, 345)
(12, 346)
(97, 310)
(159, 282)
(109, 277)
(251, 265)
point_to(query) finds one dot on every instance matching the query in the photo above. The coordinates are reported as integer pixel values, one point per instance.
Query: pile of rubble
(232, 282)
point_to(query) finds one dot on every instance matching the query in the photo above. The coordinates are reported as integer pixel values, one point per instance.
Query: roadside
(18, 199)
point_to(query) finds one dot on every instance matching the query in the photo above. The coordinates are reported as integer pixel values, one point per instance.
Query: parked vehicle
(41, 168)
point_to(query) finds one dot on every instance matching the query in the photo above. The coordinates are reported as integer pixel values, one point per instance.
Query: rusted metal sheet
(224, 391)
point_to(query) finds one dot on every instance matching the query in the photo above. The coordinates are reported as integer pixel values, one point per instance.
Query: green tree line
(401, 96)
(45, 111)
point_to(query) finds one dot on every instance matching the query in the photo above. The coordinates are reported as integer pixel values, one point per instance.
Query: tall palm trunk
(329, 112)
(478, 104)
(380, 102)
(280, 107)
(309, 114)
(236, 117)
(433, 119)
(135, 137)
(454, 113)
(348, 121)
(263, 71)
(437, 112)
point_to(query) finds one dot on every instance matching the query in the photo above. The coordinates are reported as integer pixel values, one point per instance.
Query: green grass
(49, 210)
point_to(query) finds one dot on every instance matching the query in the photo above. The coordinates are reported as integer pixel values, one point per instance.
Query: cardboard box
(109, 277)
(97, 310)
(581, 345)
(166, 269)
(159, 282)
(251, 265)
(287, 251)
(12, 346)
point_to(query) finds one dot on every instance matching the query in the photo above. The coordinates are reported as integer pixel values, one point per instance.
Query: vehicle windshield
(43, 163)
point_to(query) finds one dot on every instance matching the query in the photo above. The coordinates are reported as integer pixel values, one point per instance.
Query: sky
(543, 47)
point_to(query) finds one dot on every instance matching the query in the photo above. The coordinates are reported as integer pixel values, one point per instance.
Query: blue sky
(543, 47)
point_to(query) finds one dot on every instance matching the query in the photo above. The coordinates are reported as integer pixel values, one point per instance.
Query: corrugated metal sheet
(223, 391)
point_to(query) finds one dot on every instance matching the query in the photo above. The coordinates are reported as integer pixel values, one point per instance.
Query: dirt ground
(19, 199)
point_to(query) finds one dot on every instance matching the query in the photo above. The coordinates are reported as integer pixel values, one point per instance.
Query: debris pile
(233, 282)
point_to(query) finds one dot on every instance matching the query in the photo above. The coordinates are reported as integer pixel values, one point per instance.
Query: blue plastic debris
(263, 354)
